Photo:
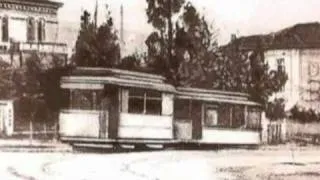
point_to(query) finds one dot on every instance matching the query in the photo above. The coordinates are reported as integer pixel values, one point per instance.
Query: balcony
(43, 47)
(4, 47)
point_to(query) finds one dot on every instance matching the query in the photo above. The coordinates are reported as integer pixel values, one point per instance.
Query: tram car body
(119, 106)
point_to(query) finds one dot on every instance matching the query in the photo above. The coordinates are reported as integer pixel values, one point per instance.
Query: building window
(281, 67)
(145, 102)
(5, 29)
(281, 64)
(41, 30)
(31, 29)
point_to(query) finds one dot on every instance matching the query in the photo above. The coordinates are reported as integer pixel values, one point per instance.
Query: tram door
(196, 120)
(104, 117)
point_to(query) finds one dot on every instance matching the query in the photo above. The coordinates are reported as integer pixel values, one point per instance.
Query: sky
(240, 17)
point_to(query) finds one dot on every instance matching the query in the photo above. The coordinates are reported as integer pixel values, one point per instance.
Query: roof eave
(49, 3)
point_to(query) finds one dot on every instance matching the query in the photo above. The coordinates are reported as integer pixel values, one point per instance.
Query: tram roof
(91, 77)
(96, 78)
(214, 96)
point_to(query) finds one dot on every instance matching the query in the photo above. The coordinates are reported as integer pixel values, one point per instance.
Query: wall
(302, 67)
(229, 136)
(310, 78)
(73, 123)
(18, 24)
(291, 91)
(295, 128)
(18, 30)
(141, 126)
(52, 32)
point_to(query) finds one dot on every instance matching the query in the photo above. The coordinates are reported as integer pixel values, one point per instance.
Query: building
(26, 26)
(297, 50)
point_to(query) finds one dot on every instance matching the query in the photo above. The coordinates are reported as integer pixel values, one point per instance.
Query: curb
(36, 149)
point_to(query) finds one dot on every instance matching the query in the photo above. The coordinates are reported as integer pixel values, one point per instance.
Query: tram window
(84, 99)
(237, 116)
(211, 118)
(144, 102)
(254, 118)
(153, 102)
(153, 107)
(224, 118)
(136, 105)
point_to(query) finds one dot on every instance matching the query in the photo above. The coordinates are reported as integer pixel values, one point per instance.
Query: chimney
(233, 37)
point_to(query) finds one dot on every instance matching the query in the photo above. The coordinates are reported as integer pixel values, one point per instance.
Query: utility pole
(121, 25)
(170, 35)
(122, 43)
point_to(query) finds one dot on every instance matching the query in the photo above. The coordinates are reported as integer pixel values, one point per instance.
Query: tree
(264, 81)
(197, 62)
(275, 110)
(29, 97)
(248, 72)
(36, 89)
(7, 86)
(160, 13)
(195, 45)
(134, 62)
(97, 46)
(182, 53)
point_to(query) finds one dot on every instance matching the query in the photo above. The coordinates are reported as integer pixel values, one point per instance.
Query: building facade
(295, 49)
(27, 26)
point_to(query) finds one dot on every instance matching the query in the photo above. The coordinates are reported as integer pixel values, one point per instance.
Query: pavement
(22, 159)
(161, 165)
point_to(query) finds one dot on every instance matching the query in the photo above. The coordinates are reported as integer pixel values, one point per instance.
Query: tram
(113, 106)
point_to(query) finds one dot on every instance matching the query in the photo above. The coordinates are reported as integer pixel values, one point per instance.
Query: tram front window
(84, 99)
(145, 102)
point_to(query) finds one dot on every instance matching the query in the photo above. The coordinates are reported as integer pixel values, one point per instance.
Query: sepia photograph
(159, 89)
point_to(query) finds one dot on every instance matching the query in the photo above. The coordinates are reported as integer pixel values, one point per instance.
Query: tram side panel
(146, 126)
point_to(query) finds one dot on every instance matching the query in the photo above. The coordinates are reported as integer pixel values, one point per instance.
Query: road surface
(162, 165)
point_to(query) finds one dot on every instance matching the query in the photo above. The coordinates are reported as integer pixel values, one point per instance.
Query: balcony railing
(42, 47)
(4, 46)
